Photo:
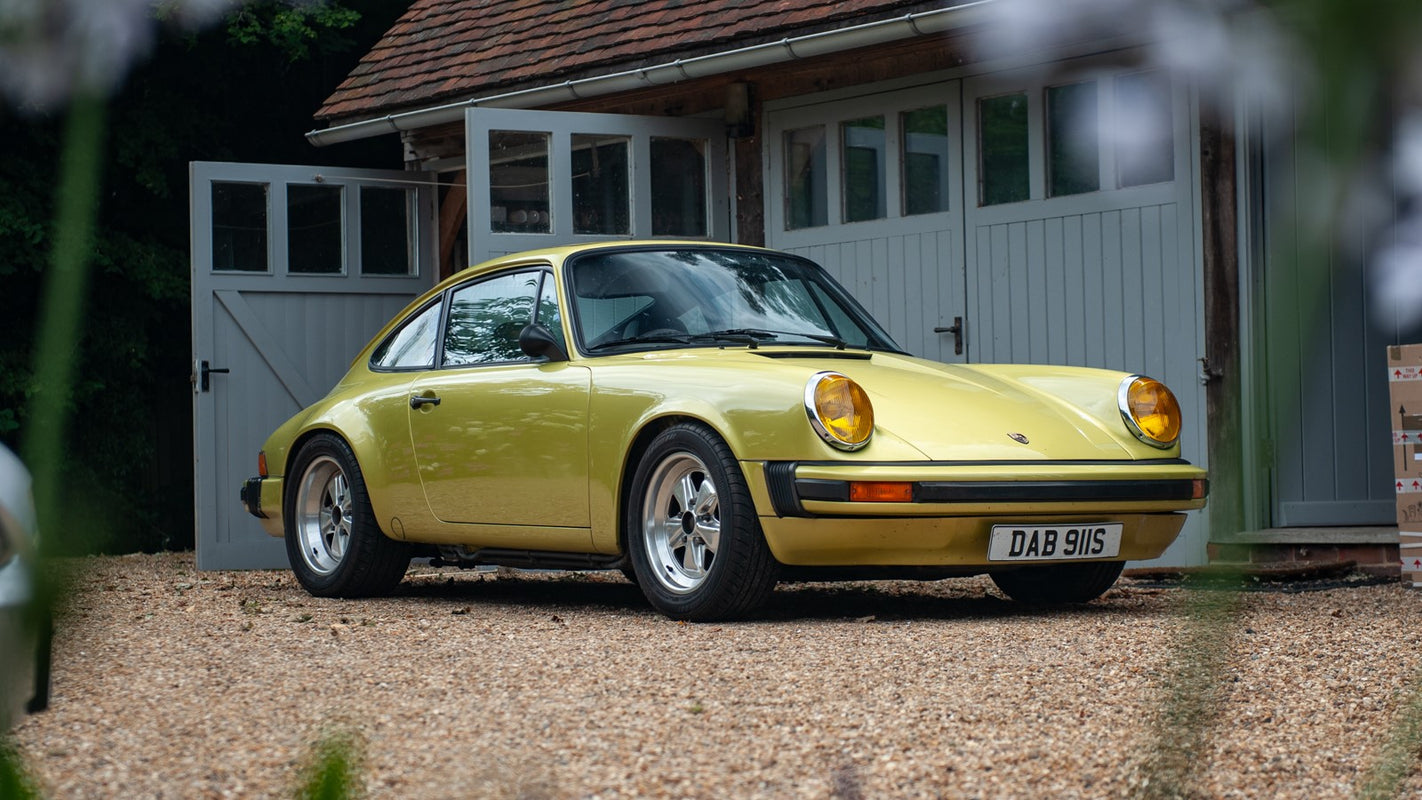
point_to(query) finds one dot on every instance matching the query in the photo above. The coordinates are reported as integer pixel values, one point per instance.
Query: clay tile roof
(444, 51)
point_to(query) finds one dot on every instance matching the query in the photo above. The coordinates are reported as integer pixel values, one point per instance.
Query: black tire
(1057, 584)
(335, 547)
(696, 558)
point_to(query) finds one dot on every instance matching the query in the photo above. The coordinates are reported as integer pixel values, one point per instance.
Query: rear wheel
(334, 546)
(1054, 584)
(696, 545)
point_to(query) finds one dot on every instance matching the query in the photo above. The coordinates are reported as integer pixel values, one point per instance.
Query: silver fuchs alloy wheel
(332, 542)
(681, 523)
(695, 541)
(323, 515)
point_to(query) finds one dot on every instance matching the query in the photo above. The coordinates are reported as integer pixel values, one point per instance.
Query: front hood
(940, 412)
(988, 413)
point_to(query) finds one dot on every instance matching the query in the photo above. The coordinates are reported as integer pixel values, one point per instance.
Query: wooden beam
(1219, 215)
(453, 210)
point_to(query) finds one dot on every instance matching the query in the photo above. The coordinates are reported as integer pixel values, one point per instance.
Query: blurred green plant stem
(62, 305)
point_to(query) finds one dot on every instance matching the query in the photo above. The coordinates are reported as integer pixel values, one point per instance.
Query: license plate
(1054, 542)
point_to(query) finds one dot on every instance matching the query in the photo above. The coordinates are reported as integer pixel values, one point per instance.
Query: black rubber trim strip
(251, 497)
(1053, 491)
(815, 489)
(780, 482)
(1117, 462)
(788, 493)
(1014, 491)
(814, 354)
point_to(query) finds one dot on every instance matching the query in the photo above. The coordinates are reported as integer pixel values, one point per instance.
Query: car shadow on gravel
(859, 600)
(893, 601)
(566, 591)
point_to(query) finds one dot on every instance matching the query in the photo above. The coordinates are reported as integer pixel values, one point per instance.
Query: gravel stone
(174, 683)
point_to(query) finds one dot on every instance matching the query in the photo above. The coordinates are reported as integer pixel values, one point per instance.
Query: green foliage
(241, 91)
(14, 782)
(293, 30)
(334, 772)
(1400, 754)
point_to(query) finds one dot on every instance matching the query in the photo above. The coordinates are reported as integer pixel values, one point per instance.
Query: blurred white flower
(1397, 268)
(1220, 47)
(51, 49)
(1407, 153)
(1397, 277)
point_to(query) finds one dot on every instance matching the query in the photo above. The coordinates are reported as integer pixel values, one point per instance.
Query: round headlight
(839, 410)
(1150, 410)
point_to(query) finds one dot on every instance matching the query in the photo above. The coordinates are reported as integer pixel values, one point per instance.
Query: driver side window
(485, 319)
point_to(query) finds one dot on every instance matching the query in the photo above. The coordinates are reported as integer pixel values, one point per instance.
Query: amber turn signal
(880, 492)
(262, 463)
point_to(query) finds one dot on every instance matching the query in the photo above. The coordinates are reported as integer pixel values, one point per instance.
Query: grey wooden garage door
(1051, 240)
(294, 268)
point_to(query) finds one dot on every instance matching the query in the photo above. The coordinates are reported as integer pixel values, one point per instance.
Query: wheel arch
(377, 494)
(640, 441)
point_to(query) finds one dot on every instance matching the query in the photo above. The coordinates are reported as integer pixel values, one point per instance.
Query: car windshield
(649, 299)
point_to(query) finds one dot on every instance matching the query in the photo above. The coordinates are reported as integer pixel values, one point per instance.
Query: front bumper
(809, 520)
(261, 497)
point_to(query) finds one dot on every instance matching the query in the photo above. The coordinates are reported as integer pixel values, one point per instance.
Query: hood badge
(1019, 438)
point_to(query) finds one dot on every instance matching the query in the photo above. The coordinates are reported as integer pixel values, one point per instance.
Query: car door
(500, 438)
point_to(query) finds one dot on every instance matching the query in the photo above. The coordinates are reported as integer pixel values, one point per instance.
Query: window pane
(485, 319)
(412, 346)
(1073, 143)
(925, 162)
(386, 236)
(1002, 139)
(313, 229)
(518, 182)
(679, 169)
(601, 202)
(864, 146)
(239, 226)
(806, 203)
(1145, 139)
(549, 315)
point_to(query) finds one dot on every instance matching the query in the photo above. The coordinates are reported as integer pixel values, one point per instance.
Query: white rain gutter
(925, 23)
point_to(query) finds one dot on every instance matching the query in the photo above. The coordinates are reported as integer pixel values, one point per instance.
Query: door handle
(957, 330)
(208, 370)
(418, 400)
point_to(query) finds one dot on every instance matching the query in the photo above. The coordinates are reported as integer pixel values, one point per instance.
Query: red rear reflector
(262, 464)
(866, 492)
(1202, 487)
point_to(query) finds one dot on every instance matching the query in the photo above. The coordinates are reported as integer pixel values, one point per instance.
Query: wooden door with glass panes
(548, 178)
(294, 269)
(1024, 217)
(871, 190)
(1080, 229)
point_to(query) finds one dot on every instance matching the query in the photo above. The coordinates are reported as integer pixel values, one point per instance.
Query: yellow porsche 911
(708, 418)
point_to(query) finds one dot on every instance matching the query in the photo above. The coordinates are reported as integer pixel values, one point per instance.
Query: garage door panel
(282, 337)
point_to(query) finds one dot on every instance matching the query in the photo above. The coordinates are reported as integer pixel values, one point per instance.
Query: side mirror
(537, 341)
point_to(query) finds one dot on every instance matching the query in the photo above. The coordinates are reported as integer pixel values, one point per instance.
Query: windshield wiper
(753, 336)
(661, 338)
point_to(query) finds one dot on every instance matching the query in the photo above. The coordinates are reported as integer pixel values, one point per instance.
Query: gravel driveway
(175, 683)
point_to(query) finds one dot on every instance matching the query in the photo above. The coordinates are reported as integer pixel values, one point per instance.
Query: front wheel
(696, 545)
(334, 546)
(1057, 584)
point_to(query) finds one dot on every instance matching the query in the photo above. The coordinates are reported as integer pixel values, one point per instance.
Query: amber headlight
(839, 410)
(1150, 410)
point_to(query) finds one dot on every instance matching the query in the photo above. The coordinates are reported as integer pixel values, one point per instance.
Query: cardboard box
(1404, 374)
(1410, 550)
